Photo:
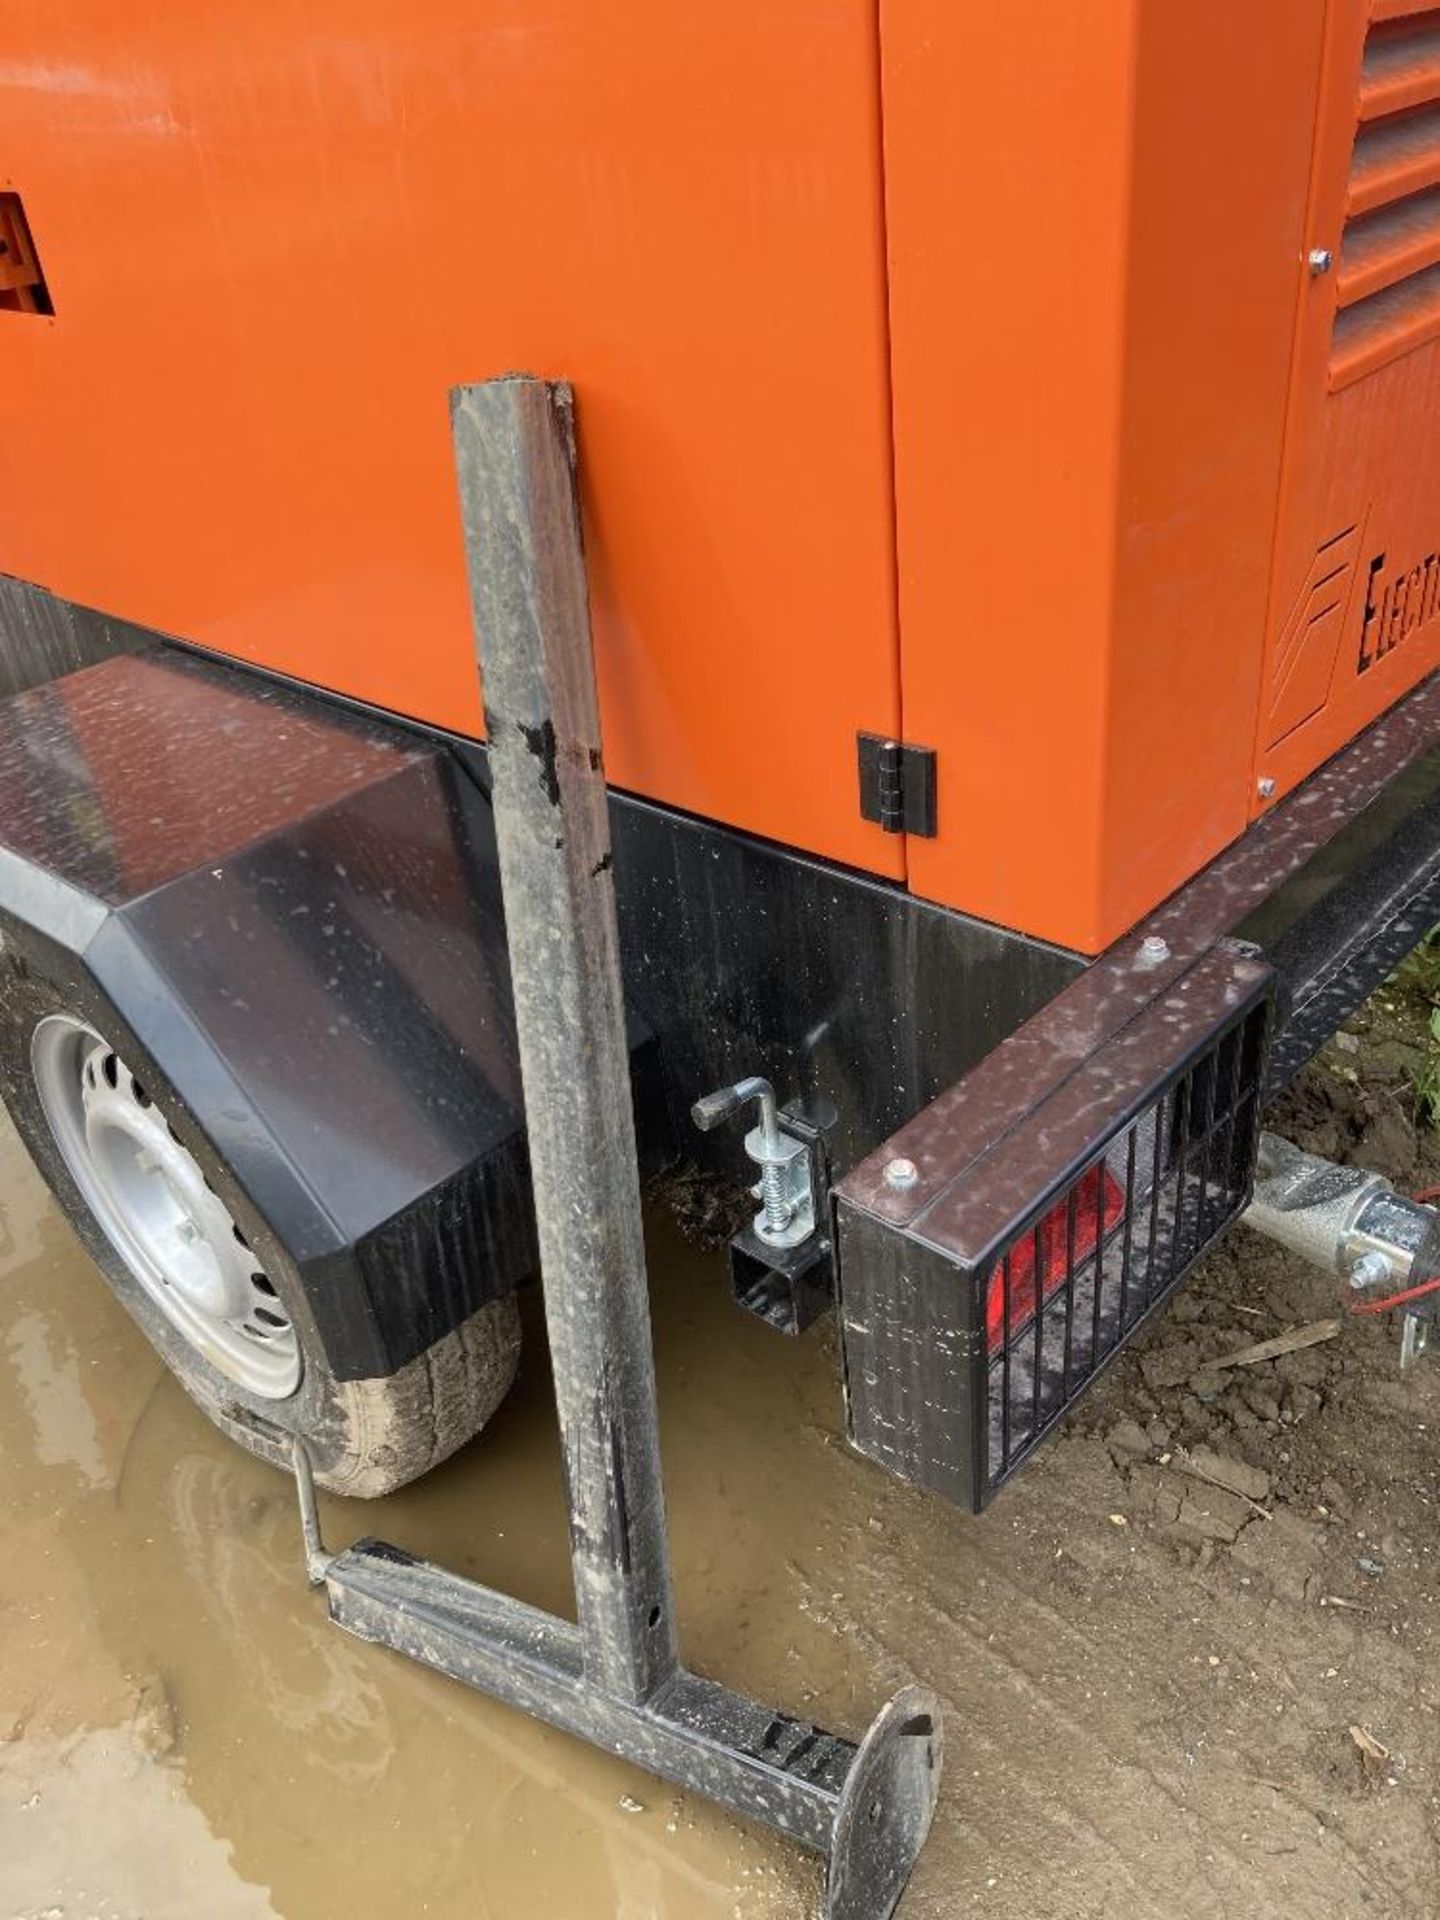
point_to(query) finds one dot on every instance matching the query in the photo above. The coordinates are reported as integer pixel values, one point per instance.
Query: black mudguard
(293, 913)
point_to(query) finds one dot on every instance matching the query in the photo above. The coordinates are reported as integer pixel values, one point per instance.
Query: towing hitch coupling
(1352, 1223)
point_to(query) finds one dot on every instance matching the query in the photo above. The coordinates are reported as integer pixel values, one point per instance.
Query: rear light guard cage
(1062, 1190)
(1114, 1243)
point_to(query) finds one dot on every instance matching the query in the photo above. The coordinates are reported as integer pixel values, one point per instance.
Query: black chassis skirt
(291, 907)
(288, 912)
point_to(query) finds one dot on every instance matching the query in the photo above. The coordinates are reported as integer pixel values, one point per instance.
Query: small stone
(1373, 1569)
(1301, 1402)
(1309, 1367)
(1335, 1496)
(1235, 1475)
(1193, 1417)
(1155, 1493)
(1170, 1365)
(1127, 1441)
(628, 1804)
(1262, 1403)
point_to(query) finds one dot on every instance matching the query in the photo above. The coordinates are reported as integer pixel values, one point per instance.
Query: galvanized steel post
(515, 457)
(616, 1679)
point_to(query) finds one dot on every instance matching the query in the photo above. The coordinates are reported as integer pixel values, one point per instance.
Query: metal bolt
(1370, 1270)
(1154, 950)
(1265, 787)
(1319, 260)
(901, 1174)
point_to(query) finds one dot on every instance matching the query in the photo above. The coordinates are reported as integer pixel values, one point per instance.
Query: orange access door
(1096, 219)
(274, 234)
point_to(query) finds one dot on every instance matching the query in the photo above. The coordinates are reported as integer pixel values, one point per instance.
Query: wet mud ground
(1151, 1678)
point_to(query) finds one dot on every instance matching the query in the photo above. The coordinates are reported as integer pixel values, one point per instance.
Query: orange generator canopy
(1054, 386)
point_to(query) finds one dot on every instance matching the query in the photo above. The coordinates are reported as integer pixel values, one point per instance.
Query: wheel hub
(150, 1197)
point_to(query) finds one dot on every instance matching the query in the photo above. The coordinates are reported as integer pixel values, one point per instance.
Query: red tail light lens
(1099, 1205)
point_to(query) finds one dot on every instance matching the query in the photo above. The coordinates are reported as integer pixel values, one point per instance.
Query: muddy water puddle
(1150, 1688)
(182, 1733)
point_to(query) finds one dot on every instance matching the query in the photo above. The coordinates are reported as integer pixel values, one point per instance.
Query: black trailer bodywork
(321, 982)
(1111, 1139)
(298, 928)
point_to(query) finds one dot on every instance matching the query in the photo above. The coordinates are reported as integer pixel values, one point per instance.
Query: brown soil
(1152, 1679)
(1191, 1699)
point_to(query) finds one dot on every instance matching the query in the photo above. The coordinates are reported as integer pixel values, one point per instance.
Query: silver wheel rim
(154, 1205)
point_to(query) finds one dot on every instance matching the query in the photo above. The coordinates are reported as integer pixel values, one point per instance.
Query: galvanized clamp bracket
(782, 1263)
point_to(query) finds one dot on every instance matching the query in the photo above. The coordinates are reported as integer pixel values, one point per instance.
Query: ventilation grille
(1389, 277)
(1120, 1241)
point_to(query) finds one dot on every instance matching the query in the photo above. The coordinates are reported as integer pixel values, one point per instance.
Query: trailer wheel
(209, 1284)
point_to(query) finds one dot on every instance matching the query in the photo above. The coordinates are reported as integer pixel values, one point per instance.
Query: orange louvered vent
(1389, 279)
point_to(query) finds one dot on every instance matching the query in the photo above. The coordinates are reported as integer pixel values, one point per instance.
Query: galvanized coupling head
(785, 1189)
(1351, 1222)
(1346, 1220)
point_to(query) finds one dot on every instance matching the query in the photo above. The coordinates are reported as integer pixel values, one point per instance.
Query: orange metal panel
(274, 236)
(1360, 500)
(276, 233)
(1095, 220)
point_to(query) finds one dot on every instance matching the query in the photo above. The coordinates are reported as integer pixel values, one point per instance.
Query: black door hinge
(897, 785)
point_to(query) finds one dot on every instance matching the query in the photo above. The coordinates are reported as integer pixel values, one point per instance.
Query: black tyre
(199, 1269)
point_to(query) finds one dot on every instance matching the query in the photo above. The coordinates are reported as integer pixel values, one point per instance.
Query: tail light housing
(1066, 1237)
(1063, 1194)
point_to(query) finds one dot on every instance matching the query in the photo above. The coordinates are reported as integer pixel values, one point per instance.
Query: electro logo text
(1396, 607)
